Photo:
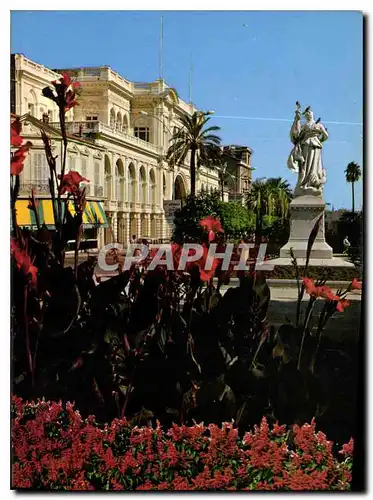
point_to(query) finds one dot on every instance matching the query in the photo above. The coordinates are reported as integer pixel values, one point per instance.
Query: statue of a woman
(305, 157)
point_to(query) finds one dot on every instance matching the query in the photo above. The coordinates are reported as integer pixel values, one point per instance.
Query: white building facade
(118, 138)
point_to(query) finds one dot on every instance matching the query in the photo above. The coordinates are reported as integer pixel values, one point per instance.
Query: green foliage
(236, 219)
(353, 172)
(269, 199)
(187, 228)
(350, 224)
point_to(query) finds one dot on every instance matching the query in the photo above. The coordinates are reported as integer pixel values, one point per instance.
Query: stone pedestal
(304, 212)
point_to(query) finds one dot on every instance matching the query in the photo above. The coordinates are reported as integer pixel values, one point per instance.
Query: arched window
(107, 178)
(132, 184)
(118, 125)
(152, 188)
(125, 124)
(117, 183)
(119, 180)
(32, 104)
(143, 186)
(112, 118)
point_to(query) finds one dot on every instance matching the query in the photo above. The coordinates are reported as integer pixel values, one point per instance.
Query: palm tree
(260, 202)
(194, 137)
(269, 197)
(353, 174)
(281, 195)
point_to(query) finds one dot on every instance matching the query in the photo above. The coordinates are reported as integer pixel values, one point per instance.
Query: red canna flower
(18, 157)
(64, 94)
(342, 304)
(23, 261)
(205, 274)
(71, 182)
(309, 285)
(355, 284)
(212, 226)
(325, 292)
(15, 130)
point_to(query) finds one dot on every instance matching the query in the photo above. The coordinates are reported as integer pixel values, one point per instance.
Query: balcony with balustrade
(40, 188)
(94, 130)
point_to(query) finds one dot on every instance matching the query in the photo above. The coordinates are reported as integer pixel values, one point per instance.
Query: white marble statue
(306, 157)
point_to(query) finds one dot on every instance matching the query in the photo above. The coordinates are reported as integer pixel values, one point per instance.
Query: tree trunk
(222, 188)
(353, 196)
(193, 173)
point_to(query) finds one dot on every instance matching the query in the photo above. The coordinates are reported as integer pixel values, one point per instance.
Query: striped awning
(93, 216)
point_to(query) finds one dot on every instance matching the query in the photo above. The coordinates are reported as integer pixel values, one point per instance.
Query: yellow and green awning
(93, 216)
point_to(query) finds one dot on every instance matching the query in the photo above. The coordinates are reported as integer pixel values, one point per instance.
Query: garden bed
(315, 272)
(55, 449)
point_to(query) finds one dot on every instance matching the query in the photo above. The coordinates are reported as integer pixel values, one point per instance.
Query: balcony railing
(78, 128)
(131, 139)
(38, 187)
(99, 191)
(83, 129)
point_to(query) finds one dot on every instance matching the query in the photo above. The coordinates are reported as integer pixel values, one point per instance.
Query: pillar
(145, 225)
(114, 226)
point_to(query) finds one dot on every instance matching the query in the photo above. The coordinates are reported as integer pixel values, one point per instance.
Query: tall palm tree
(269, 197)
(193, 136)
(281, 195)
(259, 200)
(353, 174)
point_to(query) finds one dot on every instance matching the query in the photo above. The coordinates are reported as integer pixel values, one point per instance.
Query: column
(108, 235)
(145, 226)
(127, 229)
(135, 225)
(100, 237)
(120, 225)
(114, 226)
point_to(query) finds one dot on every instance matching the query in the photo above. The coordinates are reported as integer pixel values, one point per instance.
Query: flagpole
(161, 51)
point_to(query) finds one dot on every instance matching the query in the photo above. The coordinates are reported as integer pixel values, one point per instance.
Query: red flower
(348, 449)
(18, 157)
(355, 284)
(342, 304)
(309, 285)
(323, 291)
(23, 261)
(64, 95)
(71, 182)
(15, 129)
(205, 274)
(212, 226)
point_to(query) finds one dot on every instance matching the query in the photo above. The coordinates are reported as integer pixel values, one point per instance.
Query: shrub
(54, 448)
(236, 219)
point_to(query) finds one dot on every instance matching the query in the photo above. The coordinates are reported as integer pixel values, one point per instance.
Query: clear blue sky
(245, 64)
